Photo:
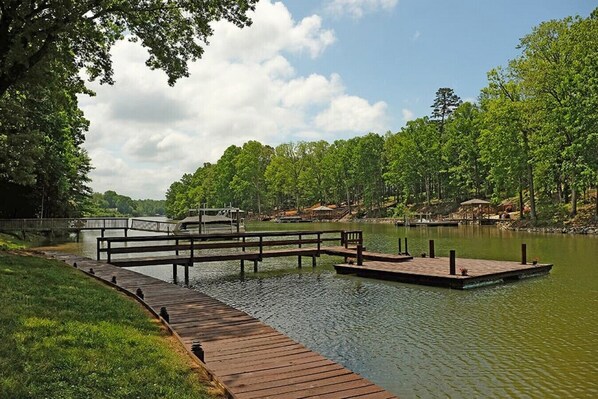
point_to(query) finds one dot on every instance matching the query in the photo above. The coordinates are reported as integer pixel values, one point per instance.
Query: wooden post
(523, 254)
(242, 265)
(319, 239)
(431, 249)
(255, 266)
(199, 218)
(176, 243)
(400, 252)
(126, 232)
(452, 264)
(108, 257)
(406, 250)
(313, 261)
(197, 350)
(186, 274)
(238, 221)
(174, 270)
(261, 248)
(359, 255)
(191, 252)
(299, 257)
(102, 234)
(98, 248)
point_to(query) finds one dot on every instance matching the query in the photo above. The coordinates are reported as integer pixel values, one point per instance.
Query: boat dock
(448, 272)
(435, 272)
(188, 250)
(248, 358)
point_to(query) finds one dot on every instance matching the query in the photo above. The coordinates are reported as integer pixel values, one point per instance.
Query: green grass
(9, 243)
(65, 335)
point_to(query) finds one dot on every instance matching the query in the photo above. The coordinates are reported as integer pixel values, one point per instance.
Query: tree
(42, 164)
(249, 182)
(506, 139)
(82, 33)
(445, 103)
(224, 172)
(466, 173)
(368, 164)
(557, 69)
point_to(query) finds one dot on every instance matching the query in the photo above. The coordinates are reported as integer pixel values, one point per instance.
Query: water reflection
(533, 338)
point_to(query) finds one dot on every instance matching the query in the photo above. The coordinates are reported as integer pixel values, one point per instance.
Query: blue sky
(402, 55)
(305, 70)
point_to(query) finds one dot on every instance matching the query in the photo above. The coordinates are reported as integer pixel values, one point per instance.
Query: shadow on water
(532, 338)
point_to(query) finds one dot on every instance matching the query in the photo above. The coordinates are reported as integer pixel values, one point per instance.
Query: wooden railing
(153, 225)
(48, 224)
(190, 244)
(352, 238)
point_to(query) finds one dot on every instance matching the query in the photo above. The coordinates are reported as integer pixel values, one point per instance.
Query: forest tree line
(532, 134)
(113, 204)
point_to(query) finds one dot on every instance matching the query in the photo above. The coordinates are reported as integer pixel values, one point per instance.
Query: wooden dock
(250, 359)
(437, 272)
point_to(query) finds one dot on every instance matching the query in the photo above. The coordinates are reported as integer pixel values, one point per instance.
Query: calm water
(536, 338)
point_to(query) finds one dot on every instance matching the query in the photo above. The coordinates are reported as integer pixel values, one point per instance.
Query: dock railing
(352, 238)
(47, 224)
(191, 244)
(153, 225)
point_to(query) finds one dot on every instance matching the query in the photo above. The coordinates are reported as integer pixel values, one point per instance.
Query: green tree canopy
(173, 32)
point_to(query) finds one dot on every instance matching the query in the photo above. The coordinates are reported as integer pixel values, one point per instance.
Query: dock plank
(251, 359)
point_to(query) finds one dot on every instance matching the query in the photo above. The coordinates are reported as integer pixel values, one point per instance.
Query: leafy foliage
(83, 32)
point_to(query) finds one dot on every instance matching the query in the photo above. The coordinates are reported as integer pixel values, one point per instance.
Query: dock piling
(431, 249)
(523, 254)
(255, 266)
(313, 261)
(452, 263)
(164, 314)
(359, 255)
(400, 252)
(197, 350)
(406, 250)
(242, 265)
(174, 271)
(186, 274)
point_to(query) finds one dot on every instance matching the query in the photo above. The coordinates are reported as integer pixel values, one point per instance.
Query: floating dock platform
(436, 271)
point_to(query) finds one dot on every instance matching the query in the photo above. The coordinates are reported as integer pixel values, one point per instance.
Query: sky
(305, 70)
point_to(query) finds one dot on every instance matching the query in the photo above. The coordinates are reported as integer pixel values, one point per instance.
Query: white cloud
(407, 114)
(357, 8)
(353, 114)
(144, 134)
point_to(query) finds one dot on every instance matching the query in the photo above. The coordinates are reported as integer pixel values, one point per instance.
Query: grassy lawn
(65, 335)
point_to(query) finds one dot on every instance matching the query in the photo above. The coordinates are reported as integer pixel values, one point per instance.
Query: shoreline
(578, 230)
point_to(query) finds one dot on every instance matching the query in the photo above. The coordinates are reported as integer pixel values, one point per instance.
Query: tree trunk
(428, 183)
(520, 201)
(532, 194)
(573, 199)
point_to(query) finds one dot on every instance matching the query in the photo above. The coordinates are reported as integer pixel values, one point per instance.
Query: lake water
(534, 338)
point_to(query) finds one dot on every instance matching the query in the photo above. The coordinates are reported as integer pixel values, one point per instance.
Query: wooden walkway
(251, 359)
(436, 271)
